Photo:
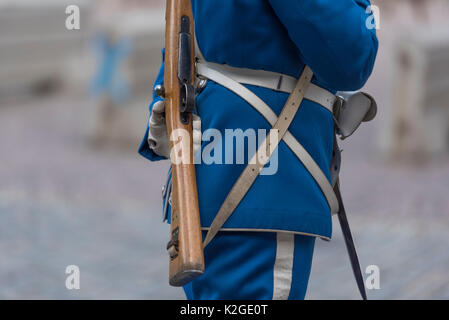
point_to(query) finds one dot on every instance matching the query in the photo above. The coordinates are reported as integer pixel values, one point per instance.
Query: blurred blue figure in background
(111, 52)
(109, 86)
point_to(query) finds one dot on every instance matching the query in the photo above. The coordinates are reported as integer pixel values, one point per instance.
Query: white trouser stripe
(283, 266)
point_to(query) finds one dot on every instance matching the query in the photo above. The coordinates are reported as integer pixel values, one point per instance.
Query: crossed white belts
(233, 79)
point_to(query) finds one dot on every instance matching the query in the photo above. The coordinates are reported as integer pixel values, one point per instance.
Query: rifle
(185, 247)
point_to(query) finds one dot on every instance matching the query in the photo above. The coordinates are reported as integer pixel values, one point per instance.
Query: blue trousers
(254, 266)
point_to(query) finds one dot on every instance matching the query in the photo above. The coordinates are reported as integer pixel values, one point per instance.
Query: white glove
(158, 136)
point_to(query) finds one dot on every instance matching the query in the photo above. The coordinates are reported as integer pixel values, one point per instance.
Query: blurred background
(74, 191)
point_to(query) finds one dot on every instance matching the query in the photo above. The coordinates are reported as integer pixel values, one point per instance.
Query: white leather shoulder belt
(265, 79)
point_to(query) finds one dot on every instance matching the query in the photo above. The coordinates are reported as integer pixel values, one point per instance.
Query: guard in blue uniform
(250, 54)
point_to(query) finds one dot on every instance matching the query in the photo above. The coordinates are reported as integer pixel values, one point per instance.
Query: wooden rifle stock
(185, 246)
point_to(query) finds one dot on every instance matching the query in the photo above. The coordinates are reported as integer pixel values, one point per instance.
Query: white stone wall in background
(35, 45)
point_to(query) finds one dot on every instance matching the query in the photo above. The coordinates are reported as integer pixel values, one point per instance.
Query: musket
(185, 247)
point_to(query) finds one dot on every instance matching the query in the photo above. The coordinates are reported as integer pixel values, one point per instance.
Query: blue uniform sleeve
(334, 38)
(144, 148)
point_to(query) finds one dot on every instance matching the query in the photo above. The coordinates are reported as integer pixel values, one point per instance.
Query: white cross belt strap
(267, 79)
(253, 169)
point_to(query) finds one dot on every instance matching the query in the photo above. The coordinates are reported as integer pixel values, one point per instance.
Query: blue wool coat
(334, 40)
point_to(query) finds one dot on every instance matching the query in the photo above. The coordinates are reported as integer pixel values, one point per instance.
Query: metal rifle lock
(185, 76)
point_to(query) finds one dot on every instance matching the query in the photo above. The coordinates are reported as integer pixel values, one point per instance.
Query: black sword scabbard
(349, 241)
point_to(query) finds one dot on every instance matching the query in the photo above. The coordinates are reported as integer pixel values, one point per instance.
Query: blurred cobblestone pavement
(62, 203)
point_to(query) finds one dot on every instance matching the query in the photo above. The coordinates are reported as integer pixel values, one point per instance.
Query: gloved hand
(158, 139)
